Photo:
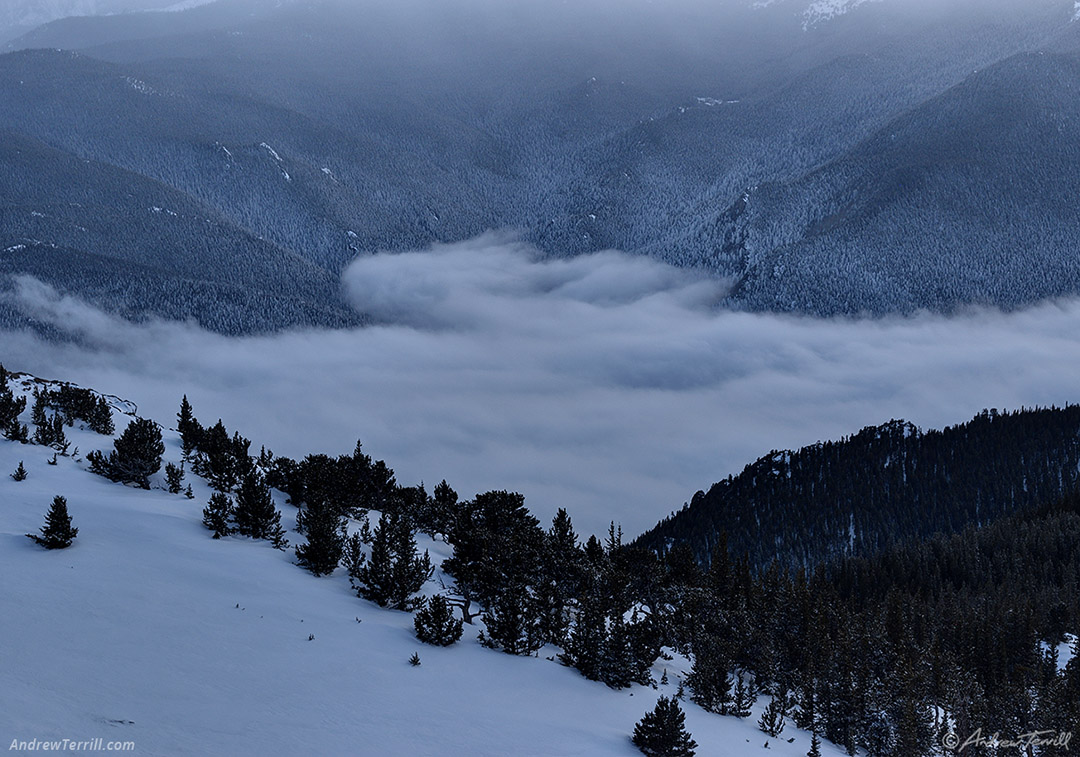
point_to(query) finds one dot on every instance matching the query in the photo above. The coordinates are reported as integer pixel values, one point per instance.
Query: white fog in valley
(606, 384)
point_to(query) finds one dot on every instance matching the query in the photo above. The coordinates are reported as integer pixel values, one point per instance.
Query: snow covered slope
(148, 630)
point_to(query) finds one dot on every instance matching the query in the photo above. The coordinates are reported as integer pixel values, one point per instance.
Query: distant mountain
(968, 198)
(883, 485)
(331, 130)
(19, 16)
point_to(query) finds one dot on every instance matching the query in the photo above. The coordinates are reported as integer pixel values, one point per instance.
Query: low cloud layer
(607, 384)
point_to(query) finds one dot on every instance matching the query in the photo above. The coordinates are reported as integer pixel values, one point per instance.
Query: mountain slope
(965, 199)
(148, 630)
(885, 484)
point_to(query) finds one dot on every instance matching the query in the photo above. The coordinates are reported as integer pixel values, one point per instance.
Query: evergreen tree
(773, 718)
(815, 746)
(435, 622)
(20, 473)
(57, 532)
(17, 432)
(662, 732)
(393, 573)
(585, 648)
(189, 428)
(101, 418)
(136, 455)
(10, 407)
(617, 662)
(743, 698)
(513, 621)
(255, 513)
(709, 680)
(325, 531)
(353, 557)
(218, 515)
(174, 477)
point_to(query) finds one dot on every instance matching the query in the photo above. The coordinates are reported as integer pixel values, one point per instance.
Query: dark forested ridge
(881, 485)
(311, 132)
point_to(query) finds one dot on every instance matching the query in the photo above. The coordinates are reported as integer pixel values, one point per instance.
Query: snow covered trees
(662, 732)
(57, 533)
(135, 457)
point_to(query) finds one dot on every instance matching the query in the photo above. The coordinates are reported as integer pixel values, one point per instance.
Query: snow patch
(140, 86)
(1076, 11)
(712, 102)
(271, 150)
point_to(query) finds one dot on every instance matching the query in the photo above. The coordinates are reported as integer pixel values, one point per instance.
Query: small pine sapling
(57, 533)
(174, 477)
(20, 473)
(415, 660)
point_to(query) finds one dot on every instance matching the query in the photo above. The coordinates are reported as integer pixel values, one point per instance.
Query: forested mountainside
(326, 131)
(880, 486)
(897, 653)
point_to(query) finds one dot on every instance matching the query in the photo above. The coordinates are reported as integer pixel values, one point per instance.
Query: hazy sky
(606, 384)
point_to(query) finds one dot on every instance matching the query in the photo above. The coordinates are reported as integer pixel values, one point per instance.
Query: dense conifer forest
(883, 484)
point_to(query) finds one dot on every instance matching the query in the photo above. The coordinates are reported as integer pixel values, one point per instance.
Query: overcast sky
(607, 384)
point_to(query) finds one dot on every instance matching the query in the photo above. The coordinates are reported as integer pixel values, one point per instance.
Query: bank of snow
(146, 629)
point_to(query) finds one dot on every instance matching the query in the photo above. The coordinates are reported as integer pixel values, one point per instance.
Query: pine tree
(709, 681)
(662, 732)
(617, 664)
(57, 532)
(174, 477)
(772, 720)
(255, 513)
(101, 419)
(513, 621)
(743, 698)
(135, 457)
(325, 531)
(189, 493)
(585, 648)
(815, 746)
(218, 514)
(393, 574)
(20, 473)
(435, 622)
(10, 408)
(353, 557)
(189, 428)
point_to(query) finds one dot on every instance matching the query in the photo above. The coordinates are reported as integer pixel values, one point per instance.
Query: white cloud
(607, 384)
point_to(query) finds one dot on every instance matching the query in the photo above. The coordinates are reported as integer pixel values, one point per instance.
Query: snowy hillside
(148, 630)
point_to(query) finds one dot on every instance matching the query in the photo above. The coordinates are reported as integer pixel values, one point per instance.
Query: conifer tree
(513, 621)
(353, 557)
(101, 419)
(815, 746)
(218, 515)
(325, 531)
(393, 573)
(10, 407)
(57, 532)
(662, 732)
(617, 663)
(189, 428)
(17, 432)
(585, 648)
(772, 720)
(174, 477)
(20, 473)
(709, 682)
(255, 513)
(136, 455)
(435, 622)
